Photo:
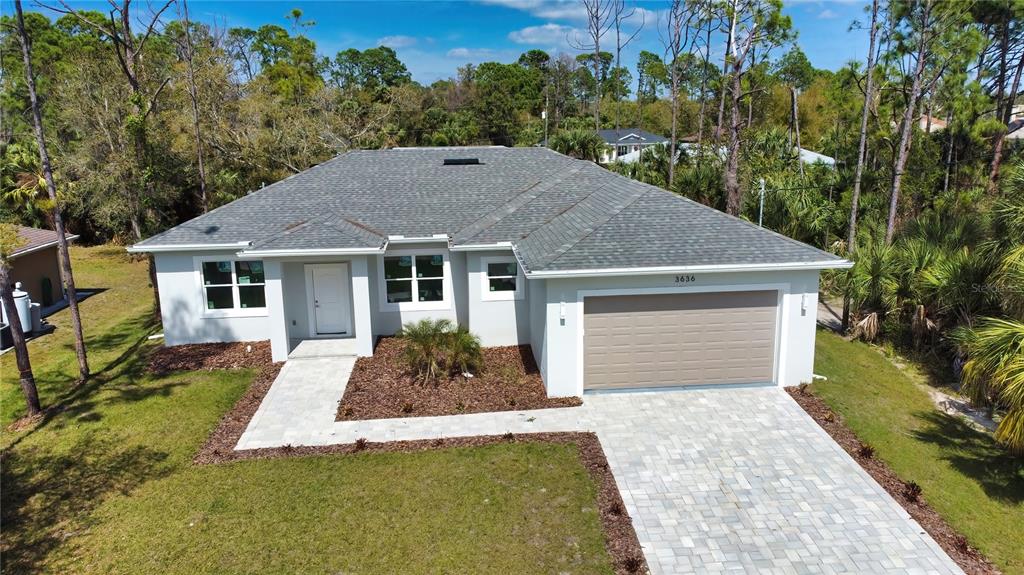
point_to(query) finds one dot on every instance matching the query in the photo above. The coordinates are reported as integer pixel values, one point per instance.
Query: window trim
(485, 287)
(446, 282)
(197, 266)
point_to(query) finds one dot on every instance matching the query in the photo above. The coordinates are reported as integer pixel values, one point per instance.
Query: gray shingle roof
(559, 213)
(630, 136)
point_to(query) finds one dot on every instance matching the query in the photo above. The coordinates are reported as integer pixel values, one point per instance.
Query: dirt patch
(381, 387)
(907, 495)
(207, 356)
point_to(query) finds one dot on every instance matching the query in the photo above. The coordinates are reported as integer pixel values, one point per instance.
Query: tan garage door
(679, 339)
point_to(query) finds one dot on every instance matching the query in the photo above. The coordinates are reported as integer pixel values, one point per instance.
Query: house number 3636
(685, 279)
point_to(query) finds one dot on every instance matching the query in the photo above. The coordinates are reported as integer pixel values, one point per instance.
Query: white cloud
(397, 41)
(827, 14)
(470, 53)
(545, 35)
(549, 9)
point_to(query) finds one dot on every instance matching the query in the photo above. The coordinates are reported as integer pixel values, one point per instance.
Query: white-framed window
(231, 287)
(415, 280)
(501, 279)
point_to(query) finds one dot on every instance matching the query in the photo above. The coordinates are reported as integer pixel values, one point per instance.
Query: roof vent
(461, 161)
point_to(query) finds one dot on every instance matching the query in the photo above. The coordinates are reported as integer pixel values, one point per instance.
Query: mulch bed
(620, 537)
(381, 387)
(952, 542)
(207, 356)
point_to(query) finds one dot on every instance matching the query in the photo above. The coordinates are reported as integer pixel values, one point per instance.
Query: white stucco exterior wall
(183, 310)
(497, 322)
(562, 356)
(538, 295)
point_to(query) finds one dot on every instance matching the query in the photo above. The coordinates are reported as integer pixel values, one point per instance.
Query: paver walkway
(716, 480)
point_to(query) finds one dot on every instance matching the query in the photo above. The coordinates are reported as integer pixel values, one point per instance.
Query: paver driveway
(716, 480)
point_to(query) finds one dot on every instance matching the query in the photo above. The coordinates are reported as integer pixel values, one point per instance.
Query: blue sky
(435, 37)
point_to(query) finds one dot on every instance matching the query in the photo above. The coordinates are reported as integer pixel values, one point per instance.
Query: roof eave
(47, 245)
(296, 253)
(163, 248)
(723, 268)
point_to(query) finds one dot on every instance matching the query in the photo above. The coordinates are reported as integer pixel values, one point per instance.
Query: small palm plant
(423, 349)
(437, 347)
(994, 373)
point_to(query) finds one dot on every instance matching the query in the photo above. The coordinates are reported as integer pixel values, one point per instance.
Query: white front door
(331, 308)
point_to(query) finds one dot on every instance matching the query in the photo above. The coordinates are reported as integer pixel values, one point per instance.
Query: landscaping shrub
(866, 451)
(439, 348)
(912, 491)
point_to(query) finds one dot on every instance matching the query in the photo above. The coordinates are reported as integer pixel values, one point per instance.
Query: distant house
(689, 147)
(625, 141)
(931, 124)
(36, 266)
(1014, 131)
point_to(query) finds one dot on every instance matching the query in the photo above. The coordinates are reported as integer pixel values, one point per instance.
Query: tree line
(152, 118)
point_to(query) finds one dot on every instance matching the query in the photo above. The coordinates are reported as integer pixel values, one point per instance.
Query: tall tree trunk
(597, 83)
(949, 151)
(64, 256)
(193, 92)
(639, 100)
(907, 128)
(675, 123)
(703, 93)
(733, 197)
(25, 377)
(997, 152)
(851, 232)
(796, 129)
(725, 71)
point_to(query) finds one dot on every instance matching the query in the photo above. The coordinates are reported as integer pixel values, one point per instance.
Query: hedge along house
(613, 283)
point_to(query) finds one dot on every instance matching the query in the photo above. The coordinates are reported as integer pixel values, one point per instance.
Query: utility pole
(760, 209)
(544, 115)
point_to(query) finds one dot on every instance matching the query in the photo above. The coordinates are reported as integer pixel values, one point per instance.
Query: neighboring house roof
(557, 212)
(35, 239)
(809, 157)
(625, 136)
(806, 156)
(1013, 129)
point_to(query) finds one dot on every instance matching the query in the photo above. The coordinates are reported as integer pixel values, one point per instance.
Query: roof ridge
(530, 193)
(605, 218)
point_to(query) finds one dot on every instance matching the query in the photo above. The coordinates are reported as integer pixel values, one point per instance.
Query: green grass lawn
(974, 484)
(106, 485)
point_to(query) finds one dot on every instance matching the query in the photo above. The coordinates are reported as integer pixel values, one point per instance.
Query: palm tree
(579, 143)
(994, 373)
(10, 241)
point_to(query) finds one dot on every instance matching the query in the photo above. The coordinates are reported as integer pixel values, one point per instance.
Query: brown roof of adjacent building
(36, 239)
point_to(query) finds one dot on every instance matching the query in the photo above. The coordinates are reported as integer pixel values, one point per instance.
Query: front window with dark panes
(234, 285)
(501, 276)
(421, 276)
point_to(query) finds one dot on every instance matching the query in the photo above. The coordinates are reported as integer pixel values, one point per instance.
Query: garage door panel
(679, 339)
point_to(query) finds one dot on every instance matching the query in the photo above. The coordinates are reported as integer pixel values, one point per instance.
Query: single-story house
(36, 265)
(625, 141)
(612, 282)
(806, 156)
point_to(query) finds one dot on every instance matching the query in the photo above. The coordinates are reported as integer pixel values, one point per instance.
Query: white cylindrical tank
(37, 317)
(23, 304)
